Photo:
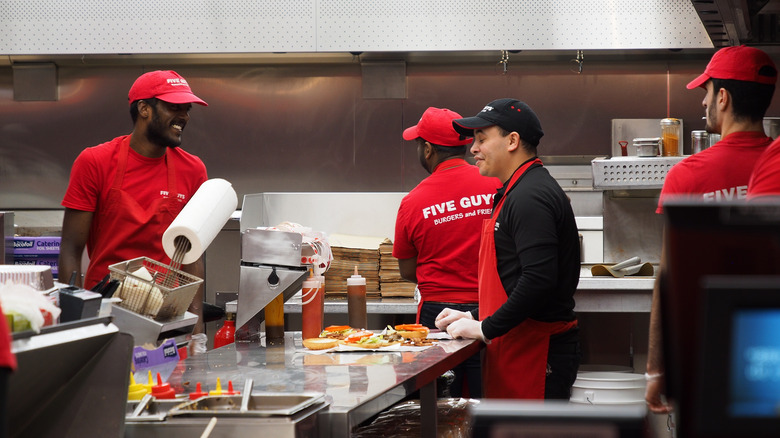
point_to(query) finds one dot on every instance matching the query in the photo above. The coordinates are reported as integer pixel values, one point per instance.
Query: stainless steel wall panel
(306, 127)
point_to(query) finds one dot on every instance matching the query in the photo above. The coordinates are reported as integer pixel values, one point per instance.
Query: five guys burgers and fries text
(332, 336)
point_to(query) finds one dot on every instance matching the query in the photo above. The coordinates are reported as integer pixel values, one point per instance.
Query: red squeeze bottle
(198, 393)
(162, 390)
(311, 308)
(227, 333)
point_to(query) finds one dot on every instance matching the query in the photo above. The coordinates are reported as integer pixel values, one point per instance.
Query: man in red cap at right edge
(739, 84)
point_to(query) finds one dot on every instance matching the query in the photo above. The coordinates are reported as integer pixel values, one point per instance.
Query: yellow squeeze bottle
(136, 391)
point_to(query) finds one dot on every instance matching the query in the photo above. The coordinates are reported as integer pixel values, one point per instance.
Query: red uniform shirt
(439, 222)
(720, 173)
(766, 175)
(145, 183)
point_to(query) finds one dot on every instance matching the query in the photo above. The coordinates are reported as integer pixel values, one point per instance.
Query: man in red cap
(124, 194)
(437, 229)
(739, 82)
(529, 263)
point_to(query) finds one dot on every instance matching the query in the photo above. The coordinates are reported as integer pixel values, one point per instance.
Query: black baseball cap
(509, 114)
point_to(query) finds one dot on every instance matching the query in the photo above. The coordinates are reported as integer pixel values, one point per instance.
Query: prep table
(357, 385)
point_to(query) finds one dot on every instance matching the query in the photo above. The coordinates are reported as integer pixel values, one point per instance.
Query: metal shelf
(628, 173)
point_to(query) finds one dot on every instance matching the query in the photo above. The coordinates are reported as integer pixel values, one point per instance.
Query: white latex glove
(448, 316)
(466, 328)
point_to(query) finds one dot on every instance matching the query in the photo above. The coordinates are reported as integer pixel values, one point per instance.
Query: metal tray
(151, 409)
(631, 172)
(259, 405)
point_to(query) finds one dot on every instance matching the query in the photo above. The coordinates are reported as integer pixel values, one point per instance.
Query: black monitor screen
(739, 387)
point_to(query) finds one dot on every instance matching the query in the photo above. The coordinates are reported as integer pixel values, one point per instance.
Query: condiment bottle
(671, 136)
(227, 333)
(218, 389)
(699, 141)
(312, 307)
(136, 391)
(356, 300)
(162, 390)
(198, 393)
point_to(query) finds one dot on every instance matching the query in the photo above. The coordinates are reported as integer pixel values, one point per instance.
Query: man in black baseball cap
(529, 263)
(509, 114)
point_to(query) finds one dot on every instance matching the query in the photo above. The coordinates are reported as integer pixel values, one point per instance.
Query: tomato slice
(337, 328)
(358, 335)
(411, 327)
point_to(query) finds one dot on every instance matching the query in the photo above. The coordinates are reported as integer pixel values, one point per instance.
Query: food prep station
(354, 386)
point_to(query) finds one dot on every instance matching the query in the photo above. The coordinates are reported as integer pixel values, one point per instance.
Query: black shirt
(537, 253)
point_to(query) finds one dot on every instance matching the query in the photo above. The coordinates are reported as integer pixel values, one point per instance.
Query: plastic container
(356, 301)
(227, 333)
(163, 390)
(609, 388)
(312, 307)
(671, 133)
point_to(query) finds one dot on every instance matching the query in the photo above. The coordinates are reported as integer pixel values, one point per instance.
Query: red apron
(124, 230)
(515, 364)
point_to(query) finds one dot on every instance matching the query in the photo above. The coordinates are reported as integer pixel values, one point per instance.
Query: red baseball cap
(166, 85)
(435, 126)
(740, 63)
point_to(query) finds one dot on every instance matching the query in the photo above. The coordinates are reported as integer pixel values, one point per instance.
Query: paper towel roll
(202, 218)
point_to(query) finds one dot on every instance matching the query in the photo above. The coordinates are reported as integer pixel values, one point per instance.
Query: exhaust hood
(735, 22)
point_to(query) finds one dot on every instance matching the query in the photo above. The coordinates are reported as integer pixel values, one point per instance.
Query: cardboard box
(38, 259)
(37, 245)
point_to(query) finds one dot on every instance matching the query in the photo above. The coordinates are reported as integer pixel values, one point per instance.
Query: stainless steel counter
(594, 294)
(357, 385)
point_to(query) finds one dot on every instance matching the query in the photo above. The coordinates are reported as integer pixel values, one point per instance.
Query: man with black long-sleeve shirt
(529, 263)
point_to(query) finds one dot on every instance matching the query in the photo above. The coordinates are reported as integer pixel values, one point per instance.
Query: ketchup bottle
(227, 333)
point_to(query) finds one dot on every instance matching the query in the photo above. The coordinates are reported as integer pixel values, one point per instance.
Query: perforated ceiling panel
(245, 26)
(155, 26)
(508, 24)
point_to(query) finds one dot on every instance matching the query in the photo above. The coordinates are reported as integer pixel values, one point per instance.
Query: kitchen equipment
(153, 289)
(671, 134)
(699, 141)
(273, 263)
(647, 147)
(257, 405)
(146, 330)
(77, 303)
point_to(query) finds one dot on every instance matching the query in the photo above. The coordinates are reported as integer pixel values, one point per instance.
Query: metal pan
(256, 405)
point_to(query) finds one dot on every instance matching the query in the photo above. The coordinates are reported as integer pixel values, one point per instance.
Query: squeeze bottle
(356, 301)
(312, 307)
(227, 333)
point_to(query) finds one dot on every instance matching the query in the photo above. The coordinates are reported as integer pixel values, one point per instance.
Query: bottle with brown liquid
(356, 301)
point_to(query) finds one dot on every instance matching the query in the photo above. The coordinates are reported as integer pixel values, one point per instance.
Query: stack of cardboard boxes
(37, 251)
